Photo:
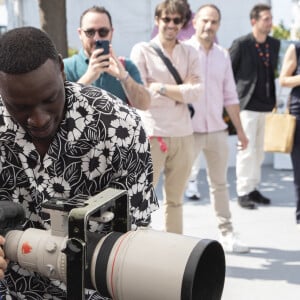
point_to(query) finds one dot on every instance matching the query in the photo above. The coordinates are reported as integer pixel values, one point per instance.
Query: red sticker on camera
(26, 248)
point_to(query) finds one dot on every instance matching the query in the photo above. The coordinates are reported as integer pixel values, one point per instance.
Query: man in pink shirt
(210, 130)
(168, 121)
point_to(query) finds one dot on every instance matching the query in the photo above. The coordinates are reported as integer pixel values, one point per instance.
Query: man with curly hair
(168, 120)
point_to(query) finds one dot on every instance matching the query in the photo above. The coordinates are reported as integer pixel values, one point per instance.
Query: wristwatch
(162, 89)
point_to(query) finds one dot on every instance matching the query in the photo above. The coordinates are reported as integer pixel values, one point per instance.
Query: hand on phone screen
(104, 44)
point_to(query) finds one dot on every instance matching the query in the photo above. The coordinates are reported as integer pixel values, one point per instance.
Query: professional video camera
(118, 262)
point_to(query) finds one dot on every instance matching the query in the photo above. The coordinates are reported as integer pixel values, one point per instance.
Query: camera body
(65, 251)
(118, 262)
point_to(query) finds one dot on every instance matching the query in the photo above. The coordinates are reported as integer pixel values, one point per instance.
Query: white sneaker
(192, 191)
(231, 243)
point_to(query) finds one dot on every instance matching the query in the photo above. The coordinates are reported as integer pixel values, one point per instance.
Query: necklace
(265, 57)
(263, 53)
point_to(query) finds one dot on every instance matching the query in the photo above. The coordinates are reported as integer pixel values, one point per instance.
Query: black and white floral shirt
(101, 143)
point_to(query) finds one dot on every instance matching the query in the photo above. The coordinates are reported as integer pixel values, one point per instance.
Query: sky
(282, 11)
(3, 15)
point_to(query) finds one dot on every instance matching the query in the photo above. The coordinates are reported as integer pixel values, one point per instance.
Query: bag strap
(173, 71)
(168, 63)
(287, 110)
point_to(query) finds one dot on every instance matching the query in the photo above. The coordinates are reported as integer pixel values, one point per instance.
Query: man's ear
(80, 34)
(112, 33)
(194, 22)
(62, 66)
(156, 20)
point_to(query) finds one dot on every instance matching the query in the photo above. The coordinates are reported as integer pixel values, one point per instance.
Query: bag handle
(287, 110)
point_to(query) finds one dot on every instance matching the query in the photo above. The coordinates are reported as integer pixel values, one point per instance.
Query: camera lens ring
(102, 263)
(204, 274)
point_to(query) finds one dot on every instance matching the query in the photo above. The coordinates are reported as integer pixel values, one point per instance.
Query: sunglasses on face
(176, 21)
(103, 32)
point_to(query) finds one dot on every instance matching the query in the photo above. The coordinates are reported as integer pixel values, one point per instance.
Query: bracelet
(125, 77)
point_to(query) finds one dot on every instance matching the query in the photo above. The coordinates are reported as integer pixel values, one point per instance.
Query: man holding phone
(96, 63)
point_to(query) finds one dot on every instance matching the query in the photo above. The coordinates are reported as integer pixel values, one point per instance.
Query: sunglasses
(176, 21)
(103, 32)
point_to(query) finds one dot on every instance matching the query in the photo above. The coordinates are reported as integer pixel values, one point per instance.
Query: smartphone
(104, 44)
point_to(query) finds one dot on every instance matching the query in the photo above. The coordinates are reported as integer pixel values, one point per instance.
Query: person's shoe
(246, 202)
(232, 244)
(257, 197)
(192, 191)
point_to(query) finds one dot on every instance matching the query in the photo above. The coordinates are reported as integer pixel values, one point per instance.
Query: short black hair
(257, 9)
(96, 9)
(25, 49)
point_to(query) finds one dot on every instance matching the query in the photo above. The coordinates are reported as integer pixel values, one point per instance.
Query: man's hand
(3, 261)
(242, 140)
(97, 65)
(116, 67)
(155, 87)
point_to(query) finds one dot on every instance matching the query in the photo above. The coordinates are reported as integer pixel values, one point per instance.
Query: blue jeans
(295, 155)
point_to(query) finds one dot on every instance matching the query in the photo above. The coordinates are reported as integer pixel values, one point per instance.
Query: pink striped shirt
(166, 117)
(219, 88)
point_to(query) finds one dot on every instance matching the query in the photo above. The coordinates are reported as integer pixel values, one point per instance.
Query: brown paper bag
(279, 132)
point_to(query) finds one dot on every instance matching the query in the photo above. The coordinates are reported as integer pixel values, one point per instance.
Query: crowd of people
(78, 125)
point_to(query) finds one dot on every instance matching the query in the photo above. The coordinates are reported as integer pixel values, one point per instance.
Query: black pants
(295, 155)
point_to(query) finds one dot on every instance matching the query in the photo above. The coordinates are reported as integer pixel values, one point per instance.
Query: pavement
(271, 270)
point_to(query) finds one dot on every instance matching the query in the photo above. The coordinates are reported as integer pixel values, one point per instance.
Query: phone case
(103, 44)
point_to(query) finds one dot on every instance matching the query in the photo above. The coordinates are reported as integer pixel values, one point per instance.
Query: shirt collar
(196, 44)
(83, 56)
(157, 41)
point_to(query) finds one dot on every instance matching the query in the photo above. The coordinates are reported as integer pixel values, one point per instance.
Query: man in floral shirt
(60, 139)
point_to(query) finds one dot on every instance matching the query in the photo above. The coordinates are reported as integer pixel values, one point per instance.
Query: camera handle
(77, 233)
(12, 216)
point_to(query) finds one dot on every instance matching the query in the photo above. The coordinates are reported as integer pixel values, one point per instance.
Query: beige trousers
(216, 152)
(176, 165)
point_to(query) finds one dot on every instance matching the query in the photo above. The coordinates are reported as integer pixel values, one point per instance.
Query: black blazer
(244, 60)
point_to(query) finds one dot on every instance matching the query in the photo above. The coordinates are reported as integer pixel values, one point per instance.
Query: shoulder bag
(172, 70)
(279, 131)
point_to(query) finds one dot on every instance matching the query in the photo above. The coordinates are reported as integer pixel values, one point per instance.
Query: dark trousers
(295, 155)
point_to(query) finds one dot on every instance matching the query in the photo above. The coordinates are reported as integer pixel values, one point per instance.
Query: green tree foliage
(72, 51)
(281, 32)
